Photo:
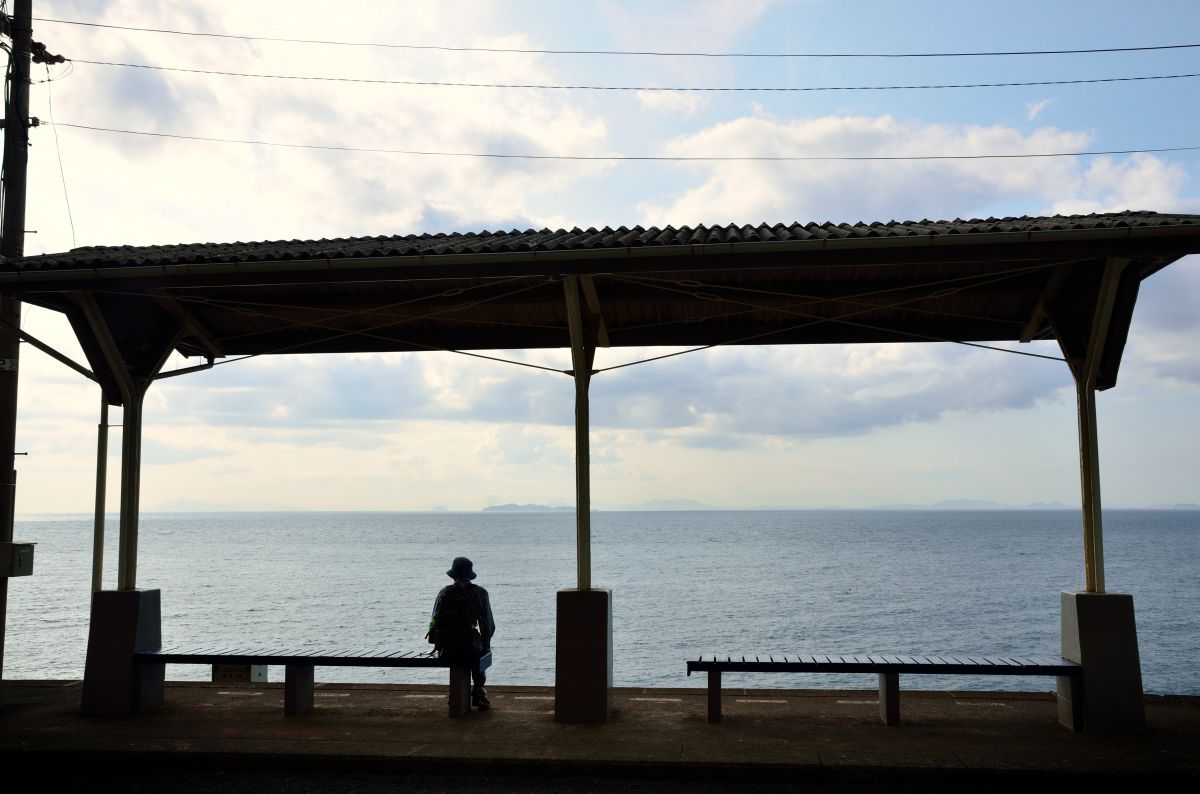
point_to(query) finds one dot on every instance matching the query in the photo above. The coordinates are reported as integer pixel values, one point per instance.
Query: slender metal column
(1086, 373)
(1089, 478)
(583, 482)
(101, 488)
(131, 479)
(581, 360)
(133, 392)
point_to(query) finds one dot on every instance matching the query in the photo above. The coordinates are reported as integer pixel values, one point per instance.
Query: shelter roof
(593, 240)
(965, 280)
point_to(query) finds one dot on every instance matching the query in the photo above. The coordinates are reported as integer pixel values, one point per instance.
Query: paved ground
(373, 738)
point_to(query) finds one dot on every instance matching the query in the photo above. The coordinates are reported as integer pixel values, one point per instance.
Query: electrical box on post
(16, 558)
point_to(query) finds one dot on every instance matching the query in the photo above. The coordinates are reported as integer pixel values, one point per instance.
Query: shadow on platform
(364, 737)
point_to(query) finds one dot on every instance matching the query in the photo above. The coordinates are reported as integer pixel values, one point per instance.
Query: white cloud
(1139, 182)
(684, 25)
(188, 191)
(1034, 109)
(675, 103)
(849, 191)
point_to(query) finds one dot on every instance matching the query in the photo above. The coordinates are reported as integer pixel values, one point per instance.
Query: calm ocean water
(684, 583)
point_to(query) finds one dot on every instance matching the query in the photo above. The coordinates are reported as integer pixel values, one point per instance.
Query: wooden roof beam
(1053, 285)
(192, 327)
(595, 314)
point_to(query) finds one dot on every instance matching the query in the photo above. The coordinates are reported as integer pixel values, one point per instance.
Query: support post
(889, 698)
(125, 620)
(1099, 633)
(131, 480)
(1086, 370)
(298, 685)
(714, 696)
(581, 361)
(133, 393)
(122, 623)
(460, 692)
(1098, 628)
(101, 488)
(12, 247)
(1089, 478)
(583, 640)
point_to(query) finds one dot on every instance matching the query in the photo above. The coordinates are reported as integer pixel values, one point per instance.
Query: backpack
(452, 626)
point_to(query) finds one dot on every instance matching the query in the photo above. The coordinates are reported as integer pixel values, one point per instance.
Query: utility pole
(12, 248)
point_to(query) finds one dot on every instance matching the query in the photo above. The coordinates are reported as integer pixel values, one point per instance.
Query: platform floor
(363, 737)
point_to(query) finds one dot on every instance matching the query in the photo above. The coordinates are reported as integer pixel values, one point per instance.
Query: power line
(58, 146)
(777, 89)
(534, 51)
(625, 158)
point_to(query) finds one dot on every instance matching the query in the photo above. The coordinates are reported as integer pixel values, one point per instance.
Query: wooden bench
(300, 663)
(889, 669)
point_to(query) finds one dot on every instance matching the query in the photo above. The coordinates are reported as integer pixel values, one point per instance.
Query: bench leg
(714, 695)
(460, 691)
(297, 689)
(889, 698)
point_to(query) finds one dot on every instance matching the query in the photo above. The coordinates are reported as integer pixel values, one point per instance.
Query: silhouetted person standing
(462, 626)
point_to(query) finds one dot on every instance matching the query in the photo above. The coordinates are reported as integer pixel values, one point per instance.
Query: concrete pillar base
(583, 677)
(122, 622)
(1099, 633)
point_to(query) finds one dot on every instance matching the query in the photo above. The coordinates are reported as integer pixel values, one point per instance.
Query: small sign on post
(239, 673)
(16, 558)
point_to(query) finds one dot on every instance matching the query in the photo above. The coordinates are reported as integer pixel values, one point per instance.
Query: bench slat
(891, 664)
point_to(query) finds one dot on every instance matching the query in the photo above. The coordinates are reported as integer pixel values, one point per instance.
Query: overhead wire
(68, 70)
(647, 88)
(654, 53)
(627, 158)
(58, 147)
(810, 300)
(842, 320)
(369, 332)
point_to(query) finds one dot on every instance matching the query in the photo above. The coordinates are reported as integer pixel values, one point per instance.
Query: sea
(684, 584)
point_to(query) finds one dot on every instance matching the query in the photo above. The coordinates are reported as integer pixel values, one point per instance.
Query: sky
(770, 426)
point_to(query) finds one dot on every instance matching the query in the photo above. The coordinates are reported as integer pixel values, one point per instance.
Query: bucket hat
(461, 568)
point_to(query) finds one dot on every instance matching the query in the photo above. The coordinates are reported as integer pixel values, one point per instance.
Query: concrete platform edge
(91, 764)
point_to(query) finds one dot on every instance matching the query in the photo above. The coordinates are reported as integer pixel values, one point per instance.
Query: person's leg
(479, 698)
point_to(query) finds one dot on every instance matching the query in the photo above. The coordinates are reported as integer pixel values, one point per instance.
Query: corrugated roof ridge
(515, 240)
(547, 232)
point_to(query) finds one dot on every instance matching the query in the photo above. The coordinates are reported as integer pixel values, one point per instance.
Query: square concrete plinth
(1099, 633)
(122, 623)
(583, 656)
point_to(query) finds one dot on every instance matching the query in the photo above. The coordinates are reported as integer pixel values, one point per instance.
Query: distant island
(973, 504)
(516, 508)
(656, 505)
(673, 505)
